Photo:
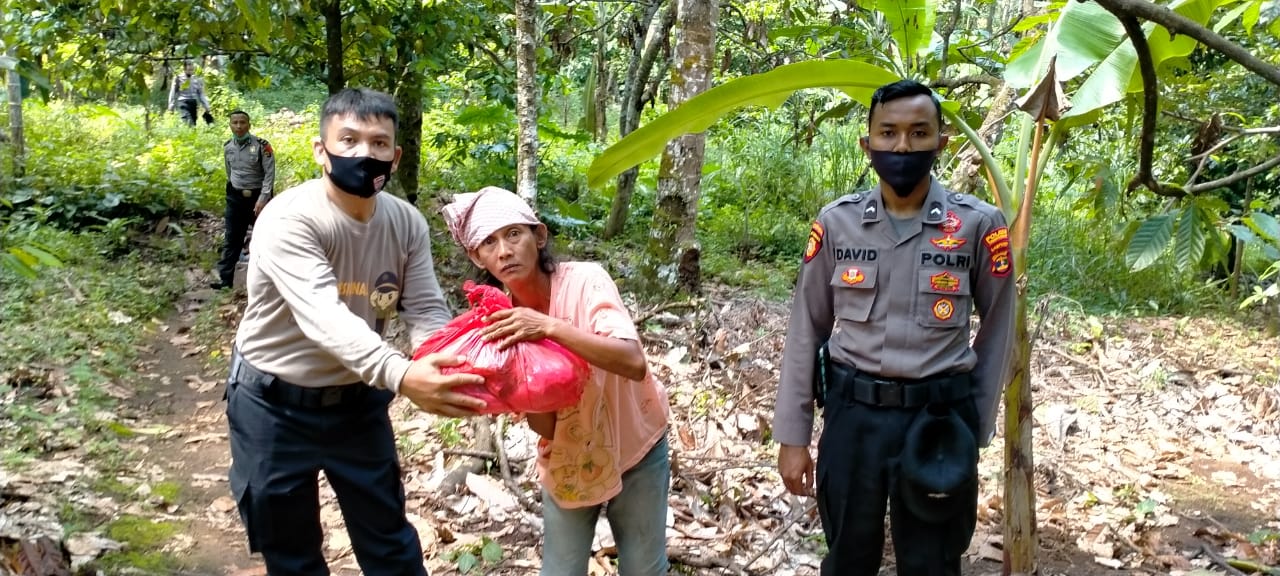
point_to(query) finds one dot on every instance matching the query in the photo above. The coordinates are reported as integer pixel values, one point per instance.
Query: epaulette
(973, 202)
(854, 198)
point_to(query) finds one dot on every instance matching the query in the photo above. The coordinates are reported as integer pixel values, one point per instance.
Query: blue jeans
(637, 515)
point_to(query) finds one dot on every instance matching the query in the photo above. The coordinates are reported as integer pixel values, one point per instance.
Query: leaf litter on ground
(1144, 430)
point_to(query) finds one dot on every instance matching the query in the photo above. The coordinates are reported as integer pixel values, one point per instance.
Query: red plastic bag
(537, 376)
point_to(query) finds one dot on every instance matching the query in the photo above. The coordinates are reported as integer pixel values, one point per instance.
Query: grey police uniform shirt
(323, 286)
(250, 165)
(188, 87)
(901, 306)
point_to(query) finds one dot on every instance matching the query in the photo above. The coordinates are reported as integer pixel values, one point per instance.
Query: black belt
(242, 192)
(899, 393)
(278, 391)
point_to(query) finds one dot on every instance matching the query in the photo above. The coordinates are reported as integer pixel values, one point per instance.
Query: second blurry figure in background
(610, 451)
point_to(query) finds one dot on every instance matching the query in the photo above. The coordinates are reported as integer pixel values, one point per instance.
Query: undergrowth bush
(90, 165)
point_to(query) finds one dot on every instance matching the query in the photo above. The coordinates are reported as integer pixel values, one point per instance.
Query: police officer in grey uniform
(251, 176)
(888, 282)
(187, 92)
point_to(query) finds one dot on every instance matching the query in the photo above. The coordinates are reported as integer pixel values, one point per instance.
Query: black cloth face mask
(362, 176)
(902, 171)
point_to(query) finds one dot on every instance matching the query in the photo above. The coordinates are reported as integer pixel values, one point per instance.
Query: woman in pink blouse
(609, 452)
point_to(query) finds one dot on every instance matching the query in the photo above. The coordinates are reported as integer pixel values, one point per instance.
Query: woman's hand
(517, 325)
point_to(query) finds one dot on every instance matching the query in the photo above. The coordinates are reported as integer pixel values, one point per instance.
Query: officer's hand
(257, 208)
(796, 467)
(433, 392)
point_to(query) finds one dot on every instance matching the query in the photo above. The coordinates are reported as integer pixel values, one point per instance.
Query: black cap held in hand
(938, 467)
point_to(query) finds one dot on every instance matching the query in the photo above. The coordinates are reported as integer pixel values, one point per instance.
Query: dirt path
(180, 392)
(1150, 446)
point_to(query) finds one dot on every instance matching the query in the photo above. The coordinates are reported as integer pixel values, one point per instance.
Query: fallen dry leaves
(1147, 430)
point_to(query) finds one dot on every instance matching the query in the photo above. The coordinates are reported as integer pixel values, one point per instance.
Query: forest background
(1148, 167)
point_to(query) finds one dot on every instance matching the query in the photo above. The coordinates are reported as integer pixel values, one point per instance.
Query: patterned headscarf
(473, 216)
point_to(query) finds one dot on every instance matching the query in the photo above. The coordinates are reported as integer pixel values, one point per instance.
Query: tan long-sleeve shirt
(322, 287)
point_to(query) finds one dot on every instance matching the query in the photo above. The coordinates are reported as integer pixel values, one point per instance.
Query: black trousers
(277, 451)
(856, 479)
(236, 220)
(187, 111)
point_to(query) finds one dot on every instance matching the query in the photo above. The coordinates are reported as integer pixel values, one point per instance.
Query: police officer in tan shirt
(888, 282)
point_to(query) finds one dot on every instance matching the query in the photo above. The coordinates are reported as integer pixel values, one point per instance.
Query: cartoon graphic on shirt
(383, 299)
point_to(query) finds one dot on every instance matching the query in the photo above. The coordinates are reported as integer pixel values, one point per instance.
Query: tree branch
(1150, 101)
(493, 56)
(606, 24)
(1232, 179)
(996, 36)
(1179, 24)
(954, 83)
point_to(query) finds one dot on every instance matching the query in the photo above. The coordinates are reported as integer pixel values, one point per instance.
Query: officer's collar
(934, 210)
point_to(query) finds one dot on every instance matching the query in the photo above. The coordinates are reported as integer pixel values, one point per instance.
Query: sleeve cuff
(396, 368)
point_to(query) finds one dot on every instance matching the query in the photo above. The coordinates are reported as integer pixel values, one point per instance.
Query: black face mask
(902, 171)
(362, 176)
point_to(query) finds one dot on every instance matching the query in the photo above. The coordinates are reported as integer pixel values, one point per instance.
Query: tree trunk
(674, 258)
(642, 58)
(16, 138)
(409, 101)
(600, 127)
(336, 78)
(527, 101)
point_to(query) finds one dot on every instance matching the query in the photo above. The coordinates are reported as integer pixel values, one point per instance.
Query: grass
(68, 335)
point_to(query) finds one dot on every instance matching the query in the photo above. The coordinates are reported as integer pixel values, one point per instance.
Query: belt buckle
(247, 193)
(331, 397)
(889, 394)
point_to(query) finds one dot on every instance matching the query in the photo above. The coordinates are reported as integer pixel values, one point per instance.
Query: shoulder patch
(266, 148)
(814, 243)
(997, 244)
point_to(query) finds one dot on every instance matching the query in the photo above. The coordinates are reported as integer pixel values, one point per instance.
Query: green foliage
(1079, 257)
(100, 167)
(1086, 35)
(1263, 230)
(92, 311)
(1150, 240)
(474, 557)
(24, 259)
(911, 22)
(449, 432)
